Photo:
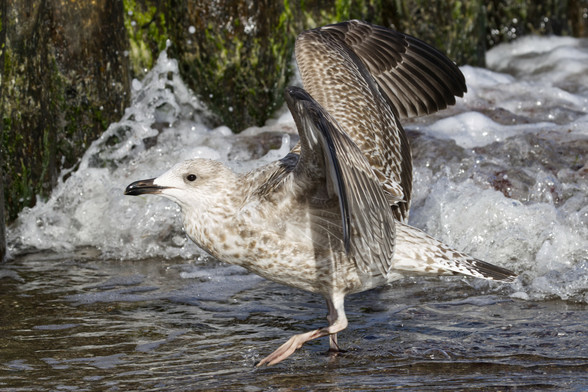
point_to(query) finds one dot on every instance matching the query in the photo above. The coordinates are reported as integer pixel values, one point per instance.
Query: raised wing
(331, 164)
(415, 77)
(366, 77)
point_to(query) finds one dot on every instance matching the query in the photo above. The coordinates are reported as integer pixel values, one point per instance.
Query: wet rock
(235, 55)
(2, 219)
(64, 79)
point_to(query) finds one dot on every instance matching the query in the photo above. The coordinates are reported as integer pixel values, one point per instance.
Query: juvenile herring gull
(331, 216)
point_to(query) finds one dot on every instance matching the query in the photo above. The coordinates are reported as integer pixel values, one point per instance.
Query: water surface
(76, 323)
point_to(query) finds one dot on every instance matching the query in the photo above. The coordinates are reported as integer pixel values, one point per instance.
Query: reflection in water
(83, 324)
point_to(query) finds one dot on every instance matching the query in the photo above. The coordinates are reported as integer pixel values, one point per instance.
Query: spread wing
(414, 76)
(367, 77)
(332, 167)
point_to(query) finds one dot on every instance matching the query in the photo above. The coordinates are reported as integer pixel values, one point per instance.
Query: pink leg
(337, 323)
(332, 318)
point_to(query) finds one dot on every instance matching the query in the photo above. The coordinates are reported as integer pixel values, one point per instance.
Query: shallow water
(77, 323)
(104, 292)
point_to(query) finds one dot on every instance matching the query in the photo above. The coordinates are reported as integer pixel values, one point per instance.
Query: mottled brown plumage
(367, 77)
(330, 217)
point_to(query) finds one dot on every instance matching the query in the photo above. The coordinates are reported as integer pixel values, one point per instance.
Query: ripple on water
(428, 333)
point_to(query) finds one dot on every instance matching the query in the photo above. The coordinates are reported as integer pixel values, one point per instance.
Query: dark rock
(64, 79)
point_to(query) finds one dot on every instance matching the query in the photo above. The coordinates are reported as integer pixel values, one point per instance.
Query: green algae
(146, 30)
(60, 88)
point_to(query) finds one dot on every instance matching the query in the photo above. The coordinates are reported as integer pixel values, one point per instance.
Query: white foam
(89, 209)
(472, 129)
(555, 61)
(541, 83)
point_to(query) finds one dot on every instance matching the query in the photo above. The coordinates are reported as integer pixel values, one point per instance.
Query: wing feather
(367, 78)
(330, 161)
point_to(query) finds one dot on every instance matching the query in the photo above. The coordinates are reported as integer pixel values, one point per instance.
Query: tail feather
(420, 253)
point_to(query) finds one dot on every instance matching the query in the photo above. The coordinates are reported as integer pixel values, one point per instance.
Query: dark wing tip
(294, 94)
(494, 272)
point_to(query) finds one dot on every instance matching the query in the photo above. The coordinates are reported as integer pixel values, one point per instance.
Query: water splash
(501, 175)
(163, 125)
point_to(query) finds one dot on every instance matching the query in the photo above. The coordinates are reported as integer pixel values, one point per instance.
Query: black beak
(143, 187)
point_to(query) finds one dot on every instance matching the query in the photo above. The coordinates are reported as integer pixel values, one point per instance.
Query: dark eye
(191, 177)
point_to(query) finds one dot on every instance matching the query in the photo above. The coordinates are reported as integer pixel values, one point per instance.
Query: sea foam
(501, 175)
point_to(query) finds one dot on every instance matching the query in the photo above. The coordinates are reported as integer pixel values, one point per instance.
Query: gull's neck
(212, 221)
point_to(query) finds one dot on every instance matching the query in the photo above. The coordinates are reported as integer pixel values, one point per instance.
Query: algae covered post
(65, 77)
(2, 218)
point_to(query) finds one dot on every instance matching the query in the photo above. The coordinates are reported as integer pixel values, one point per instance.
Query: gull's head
(192, 183)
